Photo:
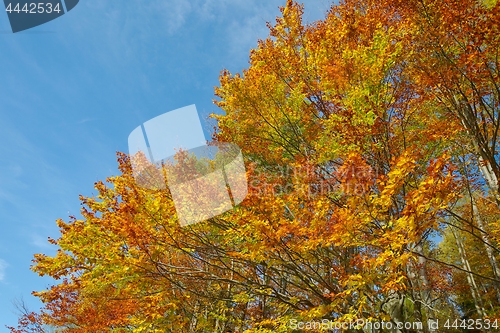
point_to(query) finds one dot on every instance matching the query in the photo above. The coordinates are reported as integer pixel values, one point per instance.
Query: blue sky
(73, 89)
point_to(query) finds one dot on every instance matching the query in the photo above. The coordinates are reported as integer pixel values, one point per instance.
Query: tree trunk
(425, 288)
(487, 242)
(394, 307)
(476, 295)
(490, 177)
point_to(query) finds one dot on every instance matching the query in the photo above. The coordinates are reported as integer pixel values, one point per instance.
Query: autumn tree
(368, 137)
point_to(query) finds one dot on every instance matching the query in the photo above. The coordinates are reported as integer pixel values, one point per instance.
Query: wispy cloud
(85, 120)
(41, 242)
(127, 27)
(3, 266)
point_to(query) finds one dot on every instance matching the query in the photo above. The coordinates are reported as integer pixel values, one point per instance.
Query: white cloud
(3, 266)
(41, 242)
(126, 25)
(175, 13)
